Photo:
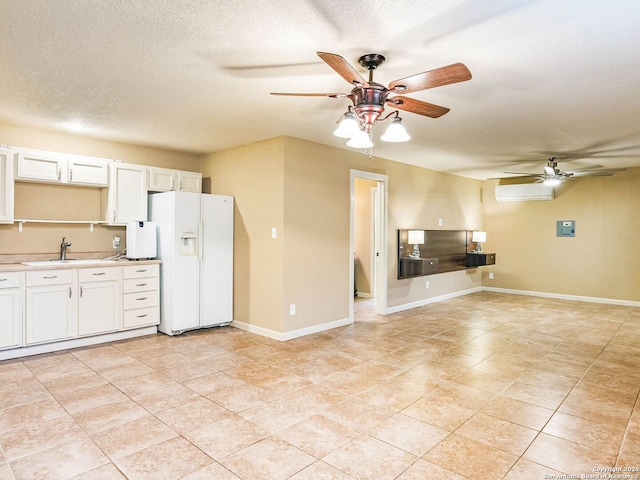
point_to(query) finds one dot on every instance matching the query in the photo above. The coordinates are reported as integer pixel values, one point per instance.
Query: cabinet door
(6, 186)
(49, 313)
(98, 307)
(10, 310)
(190, 182)
(162, 179)
(127, 198)
(37, 166)
(88, 171)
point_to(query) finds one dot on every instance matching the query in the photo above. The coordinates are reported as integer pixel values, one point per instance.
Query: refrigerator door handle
(201, 240)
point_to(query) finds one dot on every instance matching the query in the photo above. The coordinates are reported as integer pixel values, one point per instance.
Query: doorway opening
(368, 268)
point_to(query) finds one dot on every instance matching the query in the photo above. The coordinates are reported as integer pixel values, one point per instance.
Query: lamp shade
(348, 127)
(478, 236)
(360, 140)
(395, 132)
(416, 237)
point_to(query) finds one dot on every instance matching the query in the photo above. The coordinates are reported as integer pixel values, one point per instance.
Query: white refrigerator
(195, 244)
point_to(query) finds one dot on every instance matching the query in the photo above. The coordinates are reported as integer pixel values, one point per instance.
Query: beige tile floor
(485, 386)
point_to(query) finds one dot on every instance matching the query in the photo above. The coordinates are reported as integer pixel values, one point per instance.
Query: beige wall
(600, 261)
(418, 198)
(317, 219)
(309, 265)
(41, 201)
(254, 175)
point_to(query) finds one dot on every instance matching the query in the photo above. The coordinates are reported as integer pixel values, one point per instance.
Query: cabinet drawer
(480, 259)
(9, 279)
(49, 277)
(139, 271)
(131, 285)
(141, 316)
(98, 274)
(139, 300)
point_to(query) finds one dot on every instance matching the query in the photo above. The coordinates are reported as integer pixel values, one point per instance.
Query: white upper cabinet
(168, 180)
(162, 179)
(52, 167)
(88, 171)
(6, 186)
(189, 182)
(126, 198)
(37, 166)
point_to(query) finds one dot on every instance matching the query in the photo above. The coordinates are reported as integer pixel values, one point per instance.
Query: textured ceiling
(549, 77)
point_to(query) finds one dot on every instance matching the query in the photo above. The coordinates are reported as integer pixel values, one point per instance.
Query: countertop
(78, 263)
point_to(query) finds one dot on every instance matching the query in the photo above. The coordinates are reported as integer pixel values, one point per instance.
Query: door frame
(381, 274)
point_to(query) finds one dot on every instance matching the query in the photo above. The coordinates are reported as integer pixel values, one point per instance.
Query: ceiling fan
(552, 175)
(369, 98)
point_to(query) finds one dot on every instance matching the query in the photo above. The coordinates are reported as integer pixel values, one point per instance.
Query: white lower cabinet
(47, 310)
(99, 309)
(50, 312)
(10, 309)
(140, 295)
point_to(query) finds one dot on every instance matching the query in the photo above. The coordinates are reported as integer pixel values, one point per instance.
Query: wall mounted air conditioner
(523, 192)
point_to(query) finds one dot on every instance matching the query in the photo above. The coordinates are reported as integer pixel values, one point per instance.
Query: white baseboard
(284, 336)
(365, 295)
(427, 301)
(561, 296)
(75, 343)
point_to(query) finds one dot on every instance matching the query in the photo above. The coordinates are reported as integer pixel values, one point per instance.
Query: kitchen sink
(46, 263)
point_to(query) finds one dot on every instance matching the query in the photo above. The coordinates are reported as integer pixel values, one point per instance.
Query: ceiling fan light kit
(348, 127)
(360, 140)
(396, 132)
(368, 98)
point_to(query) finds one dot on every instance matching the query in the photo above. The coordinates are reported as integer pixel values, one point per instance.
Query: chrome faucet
(63, 248)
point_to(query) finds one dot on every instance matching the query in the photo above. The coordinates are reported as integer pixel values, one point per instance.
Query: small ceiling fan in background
(552, 175)
(369, 98)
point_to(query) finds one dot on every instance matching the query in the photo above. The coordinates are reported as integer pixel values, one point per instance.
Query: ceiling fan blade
(454, 73)
(607, 172)
(521, 176)
(527, 174)
(343, 68)
(412, 105)
(590, 167)
(332, 95)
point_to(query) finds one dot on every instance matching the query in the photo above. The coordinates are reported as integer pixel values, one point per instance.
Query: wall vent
(523, 192)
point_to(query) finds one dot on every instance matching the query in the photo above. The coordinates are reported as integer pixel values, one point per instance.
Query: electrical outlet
(292, 309)
(116, 242)
(440, 222)
(490, 275)
(427, 285)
